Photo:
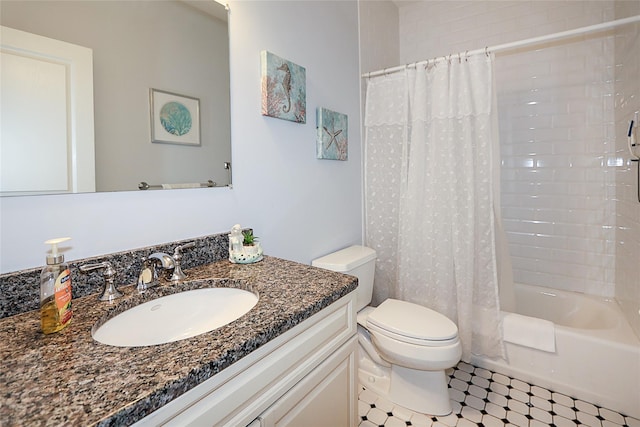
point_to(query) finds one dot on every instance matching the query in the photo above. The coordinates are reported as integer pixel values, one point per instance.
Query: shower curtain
(431, 183)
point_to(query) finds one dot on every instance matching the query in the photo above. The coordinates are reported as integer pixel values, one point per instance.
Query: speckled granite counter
(69, 379)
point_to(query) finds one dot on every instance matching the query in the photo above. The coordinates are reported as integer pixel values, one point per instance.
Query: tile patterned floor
(483, 398)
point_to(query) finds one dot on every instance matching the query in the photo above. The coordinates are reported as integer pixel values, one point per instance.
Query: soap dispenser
(55, 290)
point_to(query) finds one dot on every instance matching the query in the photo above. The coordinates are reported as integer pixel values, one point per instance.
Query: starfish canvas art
(331, 135)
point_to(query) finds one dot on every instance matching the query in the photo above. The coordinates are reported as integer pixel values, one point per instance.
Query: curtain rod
(512, 45)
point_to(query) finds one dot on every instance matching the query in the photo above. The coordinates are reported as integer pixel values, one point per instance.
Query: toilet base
(421, 391)
(375, 378)
(424, 392)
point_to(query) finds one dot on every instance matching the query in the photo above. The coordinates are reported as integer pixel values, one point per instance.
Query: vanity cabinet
(304, 377)
(320, 399)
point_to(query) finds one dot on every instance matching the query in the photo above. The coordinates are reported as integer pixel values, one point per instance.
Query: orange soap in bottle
(55, 291)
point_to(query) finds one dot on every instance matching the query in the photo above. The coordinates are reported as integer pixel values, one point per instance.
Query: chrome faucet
(148, 276)
(110, 292)
(162, 261)
(166, 262)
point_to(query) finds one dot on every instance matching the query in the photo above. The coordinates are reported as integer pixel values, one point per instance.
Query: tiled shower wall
(627, 101)
(557, 141)
(557, 128)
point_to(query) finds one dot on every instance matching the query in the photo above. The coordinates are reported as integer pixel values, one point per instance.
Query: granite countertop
(68, 378)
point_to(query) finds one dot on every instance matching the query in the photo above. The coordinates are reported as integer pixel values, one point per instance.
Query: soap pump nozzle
(55, 258)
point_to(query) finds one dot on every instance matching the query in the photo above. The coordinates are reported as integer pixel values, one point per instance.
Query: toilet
(404, 348)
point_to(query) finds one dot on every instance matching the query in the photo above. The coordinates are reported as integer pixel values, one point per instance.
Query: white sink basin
(175, 317)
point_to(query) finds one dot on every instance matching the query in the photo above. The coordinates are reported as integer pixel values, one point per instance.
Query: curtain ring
(466, 56)
(486, 50)
(459, 58)
(449, 59)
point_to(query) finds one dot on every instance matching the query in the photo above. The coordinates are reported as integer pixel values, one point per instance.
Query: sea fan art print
(332, 132)
(175, 119)
(284, 91)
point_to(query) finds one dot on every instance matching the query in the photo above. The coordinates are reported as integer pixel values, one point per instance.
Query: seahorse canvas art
(332, 131)
(284, 91)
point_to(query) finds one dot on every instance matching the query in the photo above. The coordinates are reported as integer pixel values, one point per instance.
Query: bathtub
(597, 355)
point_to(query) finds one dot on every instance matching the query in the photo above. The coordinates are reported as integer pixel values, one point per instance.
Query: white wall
(301, 207)
(557, 129)
(379, 35)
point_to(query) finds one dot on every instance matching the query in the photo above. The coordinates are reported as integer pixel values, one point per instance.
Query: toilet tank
(358, 261)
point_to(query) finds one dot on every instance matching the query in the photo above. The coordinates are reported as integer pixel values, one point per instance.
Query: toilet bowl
(418, 345)
(404, 348)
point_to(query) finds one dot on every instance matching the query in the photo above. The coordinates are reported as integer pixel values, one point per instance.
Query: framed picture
(284, 88)
(332, 135)
(175, 119)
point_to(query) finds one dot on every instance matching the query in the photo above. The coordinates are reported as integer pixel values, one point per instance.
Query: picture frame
(175, 118)
(283, 87)
(332, 142)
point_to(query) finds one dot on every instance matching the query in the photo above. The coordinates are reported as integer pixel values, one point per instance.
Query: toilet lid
(411, 322)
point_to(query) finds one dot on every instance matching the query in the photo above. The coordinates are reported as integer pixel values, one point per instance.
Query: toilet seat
(412, 324)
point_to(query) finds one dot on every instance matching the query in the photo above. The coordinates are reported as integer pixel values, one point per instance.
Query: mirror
(146, 54)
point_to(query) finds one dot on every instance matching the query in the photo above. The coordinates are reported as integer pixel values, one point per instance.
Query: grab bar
(144, 186)
(633, 148)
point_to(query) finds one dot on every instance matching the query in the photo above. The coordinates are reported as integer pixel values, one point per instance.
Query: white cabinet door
(325, 397)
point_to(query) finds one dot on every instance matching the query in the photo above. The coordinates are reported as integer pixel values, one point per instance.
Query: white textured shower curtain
(431, 156)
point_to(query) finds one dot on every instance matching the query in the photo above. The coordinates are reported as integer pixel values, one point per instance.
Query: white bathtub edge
(608, 383)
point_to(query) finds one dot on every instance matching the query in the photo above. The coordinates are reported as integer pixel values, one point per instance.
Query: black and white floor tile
(483, 398)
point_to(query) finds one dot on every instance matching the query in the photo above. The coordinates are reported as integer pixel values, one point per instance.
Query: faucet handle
(178, 274)
(177, 252)
(110, 292)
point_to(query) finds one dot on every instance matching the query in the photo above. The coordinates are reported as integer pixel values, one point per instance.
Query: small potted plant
(251, 243)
